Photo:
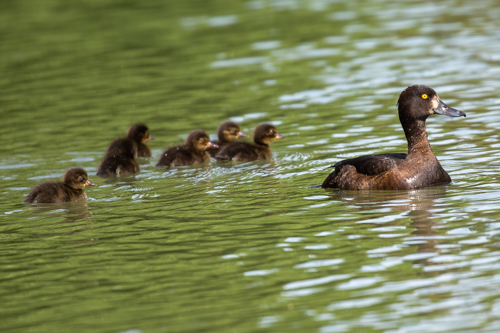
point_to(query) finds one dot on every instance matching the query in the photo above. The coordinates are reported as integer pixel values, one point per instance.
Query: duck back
(369, 165)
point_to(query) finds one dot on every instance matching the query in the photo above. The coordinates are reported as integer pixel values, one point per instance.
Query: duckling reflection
(419, 203)
(62, 219)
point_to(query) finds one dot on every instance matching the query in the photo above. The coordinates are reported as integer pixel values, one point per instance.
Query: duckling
(398, 171)
(70, 189)
(194, 151)
(139, 133)
(228, 132)
(263, 135)
(119, 159)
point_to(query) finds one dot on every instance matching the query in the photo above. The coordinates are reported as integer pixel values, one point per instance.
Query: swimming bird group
(398, 171)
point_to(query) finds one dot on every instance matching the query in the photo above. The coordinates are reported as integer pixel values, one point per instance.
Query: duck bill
(279, 136)
(151, 137)
(242, 135)
(212, 145)
(447, 110)
(89, 183)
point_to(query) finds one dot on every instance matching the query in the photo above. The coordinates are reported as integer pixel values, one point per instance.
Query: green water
(247, 247)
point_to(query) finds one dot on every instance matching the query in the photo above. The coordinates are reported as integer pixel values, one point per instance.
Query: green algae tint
(247, 247)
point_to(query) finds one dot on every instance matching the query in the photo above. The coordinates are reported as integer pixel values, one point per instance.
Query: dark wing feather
(372, 165)
(369, 165)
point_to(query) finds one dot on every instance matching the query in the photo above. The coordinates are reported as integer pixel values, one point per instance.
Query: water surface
(247, 247)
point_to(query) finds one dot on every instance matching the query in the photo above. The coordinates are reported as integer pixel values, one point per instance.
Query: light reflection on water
(249, 246)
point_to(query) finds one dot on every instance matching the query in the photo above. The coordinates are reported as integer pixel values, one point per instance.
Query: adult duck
(419, 168)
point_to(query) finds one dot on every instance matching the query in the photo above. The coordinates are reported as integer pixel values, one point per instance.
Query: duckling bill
(70, 189)
(194, 151)
(398, 171)
(263, 136)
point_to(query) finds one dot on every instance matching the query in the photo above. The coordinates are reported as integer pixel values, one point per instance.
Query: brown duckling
(419, 168)
(228, 132)
(139, 133)
(193, 152)
(263, 135)
(70, 189)
(119, 159)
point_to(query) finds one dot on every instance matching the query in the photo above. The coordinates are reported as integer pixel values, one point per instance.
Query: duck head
(229, 131)
(264, 134)
(77, 179)
(419, 101)
(199, 140)
(139, 133)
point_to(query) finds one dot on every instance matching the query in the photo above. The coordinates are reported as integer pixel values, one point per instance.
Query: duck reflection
(419, 203)
(59, 217)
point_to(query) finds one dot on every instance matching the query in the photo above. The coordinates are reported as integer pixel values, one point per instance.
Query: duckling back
(119, 159)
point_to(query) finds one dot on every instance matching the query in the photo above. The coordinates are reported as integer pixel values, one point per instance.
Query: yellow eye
(424, 96)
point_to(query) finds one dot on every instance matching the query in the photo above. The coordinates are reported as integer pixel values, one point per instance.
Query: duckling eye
(80, 179)
(424, 96)
(271, 132)
(202, 140)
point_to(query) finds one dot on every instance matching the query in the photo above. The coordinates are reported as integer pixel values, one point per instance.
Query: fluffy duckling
(139, 133)
(70, 189)
(228, 132)
(119, 159)
(194, 151)
(263, 135)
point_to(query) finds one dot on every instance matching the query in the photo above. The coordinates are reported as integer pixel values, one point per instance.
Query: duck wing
(369, 165)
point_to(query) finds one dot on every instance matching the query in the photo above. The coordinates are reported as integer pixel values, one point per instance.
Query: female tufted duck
(263, 135)
(140, 135)
(419, 168)
(70, 189)
(228, 132)
(193, 152)
(119, 159)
